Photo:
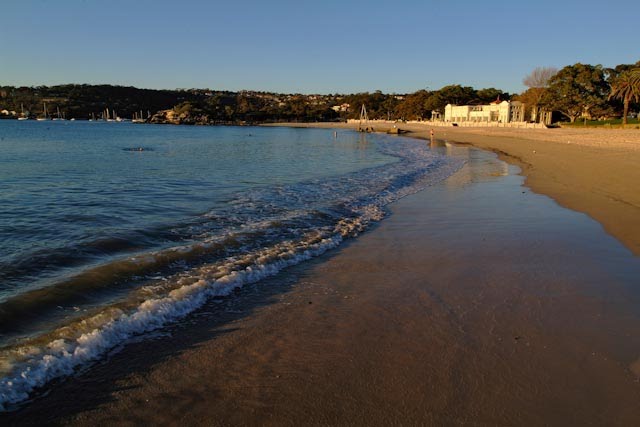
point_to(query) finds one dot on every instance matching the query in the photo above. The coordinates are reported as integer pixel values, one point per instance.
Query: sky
(321, 46)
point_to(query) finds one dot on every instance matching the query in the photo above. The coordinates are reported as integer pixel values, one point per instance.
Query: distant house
(340, 108)
(497, 111)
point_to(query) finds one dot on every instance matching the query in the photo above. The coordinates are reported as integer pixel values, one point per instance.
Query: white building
(498, 112)
(340, 108)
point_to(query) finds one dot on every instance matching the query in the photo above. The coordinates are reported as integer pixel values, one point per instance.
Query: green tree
(626, 86)
(390, 106)
(456, 95)
(452, 94)
(184, 108)
(577, 90)
(485, 96)
(414, 106)
(377, 108)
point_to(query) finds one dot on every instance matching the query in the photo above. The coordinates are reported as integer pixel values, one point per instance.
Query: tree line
(575, 91)
(420, 105)
(83, 101)
(584, 90)
(87, 101)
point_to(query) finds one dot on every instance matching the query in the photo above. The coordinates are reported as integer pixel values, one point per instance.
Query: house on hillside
(340, 108)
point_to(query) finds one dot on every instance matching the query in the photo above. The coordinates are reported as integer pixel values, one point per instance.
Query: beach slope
(595, 171)
(476, 302)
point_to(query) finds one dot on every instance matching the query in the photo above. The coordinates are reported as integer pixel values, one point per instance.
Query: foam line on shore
(60, 358)
(36, 365)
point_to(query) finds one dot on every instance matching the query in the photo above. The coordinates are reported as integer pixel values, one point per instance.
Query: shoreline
(592, 171)
(448, 311)
(476, 301)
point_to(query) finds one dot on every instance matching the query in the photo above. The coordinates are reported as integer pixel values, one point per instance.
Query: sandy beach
(594, 171)
(234, 213)
(477, 302)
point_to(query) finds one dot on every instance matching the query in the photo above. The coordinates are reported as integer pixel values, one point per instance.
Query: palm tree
(626, 87)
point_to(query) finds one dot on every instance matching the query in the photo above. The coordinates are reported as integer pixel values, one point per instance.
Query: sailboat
(46, 116)
(108, 118)
(22, 115)
(60, 117)
(137, 118)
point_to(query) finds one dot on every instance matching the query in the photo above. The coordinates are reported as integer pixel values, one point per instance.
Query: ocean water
(111, 230)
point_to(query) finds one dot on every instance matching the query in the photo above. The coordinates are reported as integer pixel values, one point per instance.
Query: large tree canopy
(415, 106)
(577, 90)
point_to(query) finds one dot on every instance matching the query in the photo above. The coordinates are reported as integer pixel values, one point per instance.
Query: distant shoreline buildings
(494, 112)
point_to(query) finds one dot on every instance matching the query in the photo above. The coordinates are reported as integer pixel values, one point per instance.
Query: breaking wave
(257, 235)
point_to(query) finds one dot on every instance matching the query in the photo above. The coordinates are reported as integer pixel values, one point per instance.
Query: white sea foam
(61, 357)
(35, 365)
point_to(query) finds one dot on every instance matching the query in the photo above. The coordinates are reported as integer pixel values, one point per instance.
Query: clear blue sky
(321, 46)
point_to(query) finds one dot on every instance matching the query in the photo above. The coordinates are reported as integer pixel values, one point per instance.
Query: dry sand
(477, 302)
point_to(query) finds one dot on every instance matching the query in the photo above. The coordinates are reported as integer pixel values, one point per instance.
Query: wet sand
(594, 171)
(477, 302)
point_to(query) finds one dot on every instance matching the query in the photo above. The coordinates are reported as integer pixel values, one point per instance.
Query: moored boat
(45, 115)
(22, 115)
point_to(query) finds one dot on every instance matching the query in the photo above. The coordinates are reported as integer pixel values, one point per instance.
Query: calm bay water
(110, 230)
(73, 193)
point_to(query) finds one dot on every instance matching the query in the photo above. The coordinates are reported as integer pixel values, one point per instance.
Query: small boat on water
(137, 118)
(45, 115)
(117, 118)
(22, 115)
(60, 117)
(107, 116)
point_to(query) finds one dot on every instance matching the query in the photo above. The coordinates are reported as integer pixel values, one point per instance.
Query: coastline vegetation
(611, 123)
(593, 93)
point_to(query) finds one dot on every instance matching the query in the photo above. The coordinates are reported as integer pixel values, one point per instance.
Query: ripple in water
(122, 290)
